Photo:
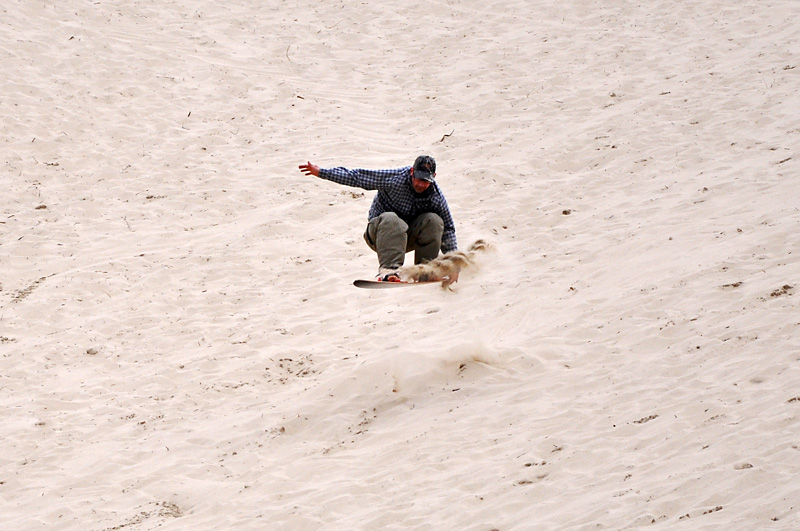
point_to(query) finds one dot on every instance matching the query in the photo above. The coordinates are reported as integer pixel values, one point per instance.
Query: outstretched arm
(309, 169)
(366, 179)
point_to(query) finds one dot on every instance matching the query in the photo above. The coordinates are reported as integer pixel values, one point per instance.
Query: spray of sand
(445, 268)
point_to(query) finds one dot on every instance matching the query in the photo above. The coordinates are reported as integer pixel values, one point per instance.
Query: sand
(181, 346)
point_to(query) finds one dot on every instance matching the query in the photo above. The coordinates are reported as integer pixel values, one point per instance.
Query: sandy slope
(180, 345)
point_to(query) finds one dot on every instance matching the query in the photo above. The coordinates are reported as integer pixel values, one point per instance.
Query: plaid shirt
(395, 194)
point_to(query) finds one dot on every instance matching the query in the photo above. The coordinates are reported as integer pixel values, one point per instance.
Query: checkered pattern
(395, 194)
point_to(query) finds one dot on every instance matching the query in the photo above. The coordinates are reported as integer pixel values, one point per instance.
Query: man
(409, 212)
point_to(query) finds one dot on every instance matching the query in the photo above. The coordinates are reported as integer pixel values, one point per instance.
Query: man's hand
(309, 169)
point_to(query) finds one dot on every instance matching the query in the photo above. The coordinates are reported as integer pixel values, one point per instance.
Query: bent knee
(390, 220)
(432, 222)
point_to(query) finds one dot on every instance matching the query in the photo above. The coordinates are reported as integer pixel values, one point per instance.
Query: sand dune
(180, 343)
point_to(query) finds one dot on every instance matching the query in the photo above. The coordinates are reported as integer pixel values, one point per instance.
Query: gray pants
(392, 238)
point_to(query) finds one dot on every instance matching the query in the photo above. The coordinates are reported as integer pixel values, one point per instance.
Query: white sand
(182, 347)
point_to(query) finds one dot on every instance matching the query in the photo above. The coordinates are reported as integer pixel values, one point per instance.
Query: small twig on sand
(287, 53)
(445, 136)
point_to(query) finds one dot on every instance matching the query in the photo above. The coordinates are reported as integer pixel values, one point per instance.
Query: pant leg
(425, 237)
(387, 235)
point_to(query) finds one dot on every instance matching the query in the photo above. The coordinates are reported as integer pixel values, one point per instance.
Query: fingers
(309, 169)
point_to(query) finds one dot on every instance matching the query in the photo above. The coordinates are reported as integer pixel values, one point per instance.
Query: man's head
(425, 168)
(422, 173)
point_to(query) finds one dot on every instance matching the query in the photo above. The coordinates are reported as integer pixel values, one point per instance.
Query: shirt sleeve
(449, 242)
(360, 178)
